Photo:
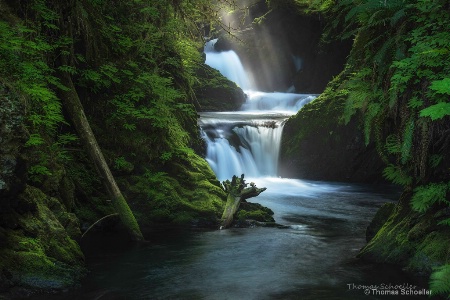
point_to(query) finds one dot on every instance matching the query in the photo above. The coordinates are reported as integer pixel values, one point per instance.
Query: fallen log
(238, 191)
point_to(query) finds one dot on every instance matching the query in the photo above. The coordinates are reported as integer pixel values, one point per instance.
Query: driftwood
(238, 191)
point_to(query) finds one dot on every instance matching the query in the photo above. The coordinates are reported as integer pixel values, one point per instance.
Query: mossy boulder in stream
(410, 239)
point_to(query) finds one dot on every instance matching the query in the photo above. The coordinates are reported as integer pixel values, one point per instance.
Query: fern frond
(393, 144)
(440, 281)
(425, 196)
(407, 141)
(415, 102)
(436, 111)
(397, 175)
(435, 160)
(388, 47)
(398, 16)
(371, 113)
(445, 222)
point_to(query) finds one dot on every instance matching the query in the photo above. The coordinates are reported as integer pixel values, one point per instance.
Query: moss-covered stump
(410, 239)
(214, 92)
(253, 214)
(38, 248)
(317, 145)
(237, 192)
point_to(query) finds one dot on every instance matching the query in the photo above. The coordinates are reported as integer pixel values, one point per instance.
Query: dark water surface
(313, 258)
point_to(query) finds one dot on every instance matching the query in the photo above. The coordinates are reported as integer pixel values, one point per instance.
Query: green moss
(188, 192)
(215, 92)
(254, 211)
(411, 240)
(433, 251)
(39, 253)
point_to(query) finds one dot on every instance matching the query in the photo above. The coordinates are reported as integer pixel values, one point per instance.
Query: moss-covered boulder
(317, 145)
(186, 193)
(379, 220)
(214, 92)
(38, 248)
(410, 239)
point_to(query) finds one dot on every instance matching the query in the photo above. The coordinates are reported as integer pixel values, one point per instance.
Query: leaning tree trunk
(237, 192)
(73, 106)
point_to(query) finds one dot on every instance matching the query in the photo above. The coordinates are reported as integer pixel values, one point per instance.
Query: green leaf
(397, 175)
(425, 196)
(445, 222)
(441, 86)
(436, 111)
(440, 281)
(34, 140)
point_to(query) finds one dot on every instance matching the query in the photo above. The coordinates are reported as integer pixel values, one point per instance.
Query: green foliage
(441, 86)
(398, 80)
(427, 195)
(436, 111)
(406, 147)
(397, 175)
(440, 281)
(398, 85)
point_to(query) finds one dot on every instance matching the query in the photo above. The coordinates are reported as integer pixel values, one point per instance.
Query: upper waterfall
(228, 63)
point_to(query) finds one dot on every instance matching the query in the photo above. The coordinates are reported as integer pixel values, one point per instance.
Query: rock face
(13, 135)
(317, 146)
(37, 232)
(214, 92)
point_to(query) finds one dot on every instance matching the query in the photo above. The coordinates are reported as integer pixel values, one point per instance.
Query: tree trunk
(237, 192)
(73, 106)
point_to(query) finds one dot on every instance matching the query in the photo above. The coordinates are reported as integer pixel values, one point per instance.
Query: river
(312, 257)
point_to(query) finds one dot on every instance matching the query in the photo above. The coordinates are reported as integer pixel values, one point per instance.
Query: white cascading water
(247, 141)
(228, 63)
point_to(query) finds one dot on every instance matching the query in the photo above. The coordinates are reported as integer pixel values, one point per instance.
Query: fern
(445, 222)
(393, 145)
(435, 160)
(425, 196)
(440, 281)
(436, 111)
(441, 86)
(371, 113)
(397, 175)
(407, 141)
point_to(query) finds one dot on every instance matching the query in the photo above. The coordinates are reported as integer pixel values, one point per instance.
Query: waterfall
(247, 141)
(237, 147)
(228, 63)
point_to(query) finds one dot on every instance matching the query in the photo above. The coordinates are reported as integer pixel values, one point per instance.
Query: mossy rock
(318, 145)
(188, 193)
(214, 92)
(409, 239)
(379, 219)
(39, 252)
